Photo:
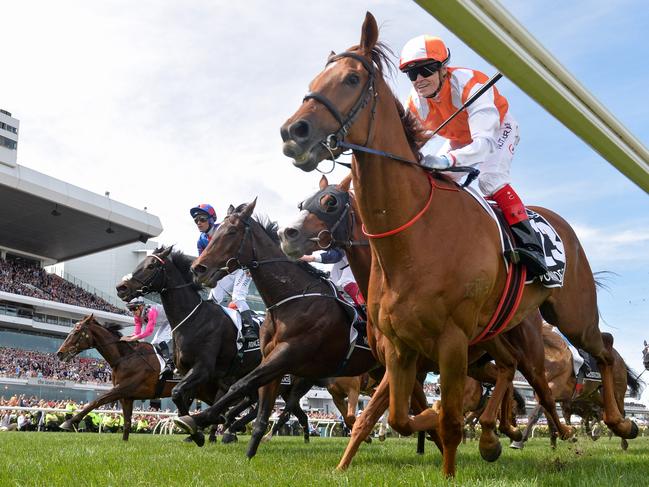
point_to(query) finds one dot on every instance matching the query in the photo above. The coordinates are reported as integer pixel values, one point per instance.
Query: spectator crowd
(17, 363)
(18, 277)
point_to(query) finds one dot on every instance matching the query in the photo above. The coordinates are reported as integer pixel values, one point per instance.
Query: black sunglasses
(425, 71)
(201, 219)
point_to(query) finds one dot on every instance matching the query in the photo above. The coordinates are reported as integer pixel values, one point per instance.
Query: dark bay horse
(431, 290)
(135, 369)
(330, 217)
(306, 331)
(561, 376)
(204, 336)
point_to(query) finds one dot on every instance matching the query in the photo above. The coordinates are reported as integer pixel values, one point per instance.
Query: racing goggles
(424, 70)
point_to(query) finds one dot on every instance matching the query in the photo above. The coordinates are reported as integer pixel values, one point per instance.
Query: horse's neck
(107, 344)
(276, 281)
(178, 303)
(388, 192)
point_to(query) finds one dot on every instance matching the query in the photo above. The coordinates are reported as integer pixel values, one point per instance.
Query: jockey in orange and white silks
(484, 135)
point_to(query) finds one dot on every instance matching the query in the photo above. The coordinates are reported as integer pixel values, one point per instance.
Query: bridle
(147, 284)
(234, 263)
(336, 234)
(336, 140)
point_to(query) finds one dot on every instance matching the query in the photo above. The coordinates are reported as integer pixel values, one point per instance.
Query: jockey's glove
(436, 162)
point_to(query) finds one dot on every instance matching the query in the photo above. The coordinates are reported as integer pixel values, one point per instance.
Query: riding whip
(492, 81)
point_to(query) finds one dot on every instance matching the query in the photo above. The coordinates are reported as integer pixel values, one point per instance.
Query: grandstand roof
(51, 219)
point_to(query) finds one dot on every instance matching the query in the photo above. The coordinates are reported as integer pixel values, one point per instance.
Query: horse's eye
(150, 266)
(352, 79)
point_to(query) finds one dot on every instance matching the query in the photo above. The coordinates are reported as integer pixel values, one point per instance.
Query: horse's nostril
(284, 133)
(199, 269)
(291, 233)
(300, 130)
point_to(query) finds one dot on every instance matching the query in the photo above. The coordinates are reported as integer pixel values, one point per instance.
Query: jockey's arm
(484, 122)
(240, 290)
(330, 256)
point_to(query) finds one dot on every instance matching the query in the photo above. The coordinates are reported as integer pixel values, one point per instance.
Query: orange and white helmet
(423, 49)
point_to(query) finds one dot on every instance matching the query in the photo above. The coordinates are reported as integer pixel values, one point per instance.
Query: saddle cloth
(555, 257)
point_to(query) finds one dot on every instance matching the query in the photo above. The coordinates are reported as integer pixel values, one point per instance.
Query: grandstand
(38, 308)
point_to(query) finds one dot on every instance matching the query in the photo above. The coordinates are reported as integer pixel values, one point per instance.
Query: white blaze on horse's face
(127, 277)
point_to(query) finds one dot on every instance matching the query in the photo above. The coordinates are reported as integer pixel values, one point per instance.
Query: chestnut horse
(330, 218)
(135, 369)
(561, 376)
(437, 275)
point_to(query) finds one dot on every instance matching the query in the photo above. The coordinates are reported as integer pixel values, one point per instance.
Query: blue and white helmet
(135, 302)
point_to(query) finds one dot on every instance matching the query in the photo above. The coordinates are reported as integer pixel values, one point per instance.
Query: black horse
(204, 336)
(306, 331)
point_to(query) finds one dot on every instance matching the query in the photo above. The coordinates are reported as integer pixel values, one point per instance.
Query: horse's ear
(91, 317)
(345, 183)
(331, 54)
(324, 182)
(165, 253)
(230, 210)
(369, 33)
(247, 211)
(645, 343)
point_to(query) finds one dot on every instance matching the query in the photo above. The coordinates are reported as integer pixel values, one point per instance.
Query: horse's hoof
(229, 438)
(211, 439)
(306, 439)
(188, 440)
(381, 437)
(491, 454)
(67, 426)
(517, 445)
(199, 438)
(624, 444)
(187, 424)
(634, 431)
(368, 440)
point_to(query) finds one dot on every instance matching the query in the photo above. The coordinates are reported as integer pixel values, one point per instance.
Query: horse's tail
(520, 400)
(600, 278)
(633, 381)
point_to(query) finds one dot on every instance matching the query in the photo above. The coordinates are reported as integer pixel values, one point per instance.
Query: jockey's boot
(351, 288)
(529, 248)
(249, 327)
(168, 371)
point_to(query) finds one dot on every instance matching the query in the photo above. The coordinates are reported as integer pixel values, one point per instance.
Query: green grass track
(68, 459)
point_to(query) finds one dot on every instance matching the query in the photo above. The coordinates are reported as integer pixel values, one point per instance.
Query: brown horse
(586, 403)
(306, 331)
(330, 218)
(134, 365)
(437, 276)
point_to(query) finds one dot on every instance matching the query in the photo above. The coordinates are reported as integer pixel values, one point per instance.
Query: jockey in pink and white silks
(233, 286)
(484, 135)
(153, 318)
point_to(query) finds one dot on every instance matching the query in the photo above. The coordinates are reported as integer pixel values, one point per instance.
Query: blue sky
(167, 104)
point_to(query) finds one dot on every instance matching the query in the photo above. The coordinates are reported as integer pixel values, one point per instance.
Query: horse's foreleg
(113, 395)
(452, 353)
(507, 423)
(366, 421)
(127, 410)
(281, 421)
(272, 367)
(352, 404)
(490, 448)
(300, 387)
(230, 435)
(531, 421)
(267, 396)
(401, 370)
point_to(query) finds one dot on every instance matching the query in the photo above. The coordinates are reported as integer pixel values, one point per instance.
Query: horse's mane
(271, 228)
(183, 264)
(416, 134)
(114, 328)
